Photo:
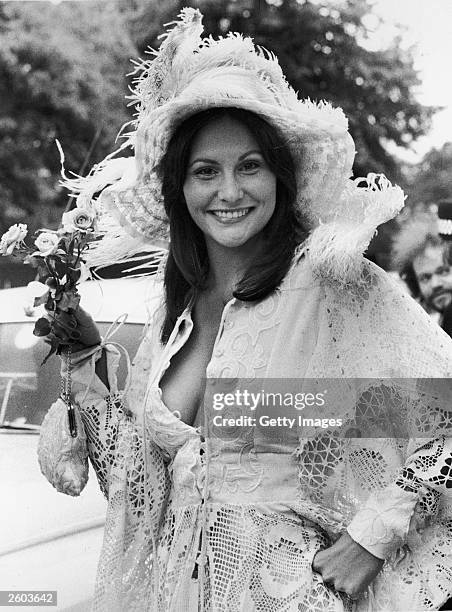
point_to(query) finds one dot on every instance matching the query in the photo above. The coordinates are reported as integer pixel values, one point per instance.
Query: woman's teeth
(230, 214)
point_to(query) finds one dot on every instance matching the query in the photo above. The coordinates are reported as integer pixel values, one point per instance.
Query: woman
(215, 516)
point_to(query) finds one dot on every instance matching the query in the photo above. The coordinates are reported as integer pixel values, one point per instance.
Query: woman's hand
(77, 323)
(76, 328)
(347, 566)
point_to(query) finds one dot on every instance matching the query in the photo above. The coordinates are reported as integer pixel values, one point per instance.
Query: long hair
(188, 265)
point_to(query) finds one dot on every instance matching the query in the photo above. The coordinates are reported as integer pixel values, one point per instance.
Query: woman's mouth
(230, 214)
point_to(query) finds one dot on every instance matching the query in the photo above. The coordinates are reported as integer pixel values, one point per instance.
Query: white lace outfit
(194, 523)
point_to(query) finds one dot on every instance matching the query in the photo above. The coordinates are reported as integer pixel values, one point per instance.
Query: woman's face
(229, 189)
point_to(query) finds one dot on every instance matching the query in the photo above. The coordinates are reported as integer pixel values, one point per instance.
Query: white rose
(12, 238)
(47, 243)
(78, 219)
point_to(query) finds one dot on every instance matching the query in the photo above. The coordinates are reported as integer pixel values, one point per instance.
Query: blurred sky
(428, 25)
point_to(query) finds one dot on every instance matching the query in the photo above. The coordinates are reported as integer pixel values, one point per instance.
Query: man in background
(422, 253)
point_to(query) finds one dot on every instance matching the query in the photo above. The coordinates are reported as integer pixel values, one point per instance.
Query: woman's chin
(234, 241)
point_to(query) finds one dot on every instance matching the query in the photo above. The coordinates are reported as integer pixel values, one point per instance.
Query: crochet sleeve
(384, 341)
(115, 438)
(400, 512)
(131, 471)
(100, 408)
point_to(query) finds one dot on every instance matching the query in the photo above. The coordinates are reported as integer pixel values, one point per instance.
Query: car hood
(105, 300)
(31, 510)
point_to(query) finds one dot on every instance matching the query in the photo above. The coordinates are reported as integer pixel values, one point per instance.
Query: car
(50, 541)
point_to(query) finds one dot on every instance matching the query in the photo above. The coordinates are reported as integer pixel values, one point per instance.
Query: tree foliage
(61, 76)
(431, 180)
(323, 52)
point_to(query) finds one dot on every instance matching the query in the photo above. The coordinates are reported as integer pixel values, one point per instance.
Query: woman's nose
(230, 189)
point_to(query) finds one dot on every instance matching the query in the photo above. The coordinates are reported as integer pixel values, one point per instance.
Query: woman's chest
(183, 382)
(273, 339)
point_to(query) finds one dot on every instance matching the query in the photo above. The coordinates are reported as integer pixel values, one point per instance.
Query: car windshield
(28, 389)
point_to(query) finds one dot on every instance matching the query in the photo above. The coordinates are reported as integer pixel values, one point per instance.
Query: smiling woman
(229, 190)
(264, 283)
(227, 175)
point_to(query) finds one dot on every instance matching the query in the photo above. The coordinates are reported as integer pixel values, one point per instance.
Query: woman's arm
(389, 519)
(112, 418)
(400, 511)
(116, 444)
(94, 391)
(379, 332)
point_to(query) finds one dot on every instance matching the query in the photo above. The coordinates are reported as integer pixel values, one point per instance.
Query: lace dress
(199, 520)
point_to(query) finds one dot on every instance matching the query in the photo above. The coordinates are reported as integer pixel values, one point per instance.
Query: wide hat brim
(316, 135)
(194, 75)
(341, 213)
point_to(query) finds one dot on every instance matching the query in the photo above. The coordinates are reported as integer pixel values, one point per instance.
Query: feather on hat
(189, 74)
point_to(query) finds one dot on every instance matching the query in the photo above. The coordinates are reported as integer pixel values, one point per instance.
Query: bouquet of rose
(58, 257)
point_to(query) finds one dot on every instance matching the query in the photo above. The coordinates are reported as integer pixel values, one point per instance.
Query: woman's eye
(206, 172)
(250, 166)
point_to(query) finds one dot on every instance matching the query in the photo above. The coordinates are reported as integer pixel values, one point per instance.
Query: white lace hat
(190, 74)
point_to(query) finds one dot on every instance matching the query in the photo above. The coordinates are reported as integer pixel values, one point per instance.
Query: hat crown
(184, 57)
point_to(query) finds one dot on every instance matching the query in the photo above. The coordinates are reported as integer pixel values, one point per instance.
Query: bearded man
(422, 254)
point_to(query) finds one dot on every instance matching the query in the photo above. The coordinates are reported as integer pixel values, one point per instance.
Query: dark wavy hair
(188, 265)
(408, 274)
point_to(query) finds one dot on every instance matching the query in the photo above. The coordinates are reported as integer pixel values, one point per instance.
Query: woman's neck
(227, 267)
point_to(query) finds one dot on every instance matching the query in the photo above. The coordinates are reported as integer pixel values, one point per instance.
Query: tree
(322, 50)
(62, 75)
(431, 180)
